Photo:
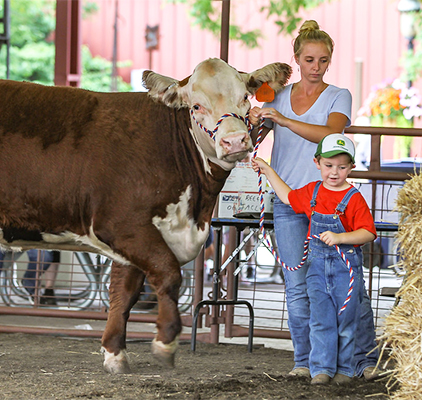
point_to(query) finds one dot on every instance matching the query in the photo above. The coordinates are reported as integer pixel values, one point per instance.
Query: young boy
(340, 216)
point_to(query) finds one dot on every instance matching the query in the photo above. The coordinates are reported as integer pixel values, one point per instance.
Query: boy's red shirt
(356, 216)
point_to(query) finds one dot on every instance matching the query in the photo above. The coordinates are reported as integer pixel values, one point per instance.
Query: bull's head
(213, 90)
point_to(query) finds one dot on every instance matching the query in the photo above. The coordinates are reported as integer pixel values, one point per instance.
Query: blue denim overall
(332, 336)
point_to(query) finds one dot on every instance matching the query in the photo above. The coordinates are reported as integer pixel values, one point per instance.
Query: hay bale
(403, 326)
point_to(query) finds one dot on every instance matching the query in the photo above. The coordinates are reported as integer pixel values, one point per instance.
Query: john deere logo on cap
(341, 142)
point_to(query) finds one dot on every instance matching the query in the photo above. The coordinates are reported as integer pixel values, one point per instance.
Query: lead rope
(261, 199)
(306, 244)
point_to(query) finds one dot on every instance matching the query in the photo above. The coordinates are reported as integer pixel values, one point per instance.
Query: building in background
(367, 36)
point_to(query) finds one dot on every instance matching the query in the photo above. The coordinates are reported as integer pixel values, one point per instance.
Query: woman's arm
(314, 133)
(280, 187)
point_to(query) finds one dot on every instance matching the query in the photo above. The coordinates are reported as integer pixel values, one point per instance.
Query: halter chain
(306, 244)
(212, 134)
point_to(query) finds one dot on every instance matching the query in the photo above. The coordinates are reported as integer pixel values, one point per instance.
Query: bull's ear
(276, 75)
(162, 88)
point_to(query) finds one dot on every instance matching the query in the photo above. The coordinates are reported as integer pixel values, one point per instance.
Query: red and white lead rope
(306, 244)
(262, 210)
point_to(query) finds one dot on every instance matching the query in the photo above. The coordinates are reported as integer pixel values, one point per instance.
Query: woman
(300, 116)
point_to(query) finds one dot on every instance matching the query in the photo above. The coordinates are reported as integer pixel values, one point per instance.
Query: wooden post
(67, 69)
(225, 30)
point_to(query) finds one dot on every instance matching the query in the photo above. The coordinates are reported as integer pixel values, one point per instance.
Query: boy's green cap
(334, 144)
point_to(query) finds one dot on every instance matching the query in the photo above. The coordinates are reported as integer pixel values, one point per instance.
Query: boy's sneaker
(371, 373)
(321, 379)
(341, 379)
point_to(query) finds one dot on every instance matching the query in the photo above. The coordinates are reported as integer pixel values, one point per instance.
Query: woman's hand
(256, 114)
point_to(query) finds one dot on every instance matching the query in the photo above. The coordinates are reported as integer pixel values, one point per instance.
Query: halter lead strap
(261, 197)
(306, 244)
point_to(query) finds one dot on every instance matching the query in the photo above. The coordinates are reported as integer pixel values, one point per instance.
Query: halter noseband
(212, 134)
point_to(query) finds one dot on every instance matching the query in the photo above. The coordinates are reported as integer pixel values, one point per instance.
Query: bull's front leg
(125, 285)
(166, 282)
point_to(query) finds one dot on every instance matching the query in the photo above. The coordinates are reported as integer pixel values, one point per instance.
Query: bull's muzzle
(235, 143)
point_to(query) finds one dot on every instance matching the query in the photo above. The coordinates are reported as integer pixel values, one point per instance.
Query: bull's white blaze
(180, 232)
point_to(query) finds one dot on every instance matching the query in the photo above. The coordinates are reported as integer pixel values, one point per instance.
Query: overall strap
(314, 195)
(343, 204)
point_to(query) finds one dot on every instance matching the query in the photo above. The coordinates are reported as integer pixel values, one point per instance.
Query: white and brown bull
(132, 176)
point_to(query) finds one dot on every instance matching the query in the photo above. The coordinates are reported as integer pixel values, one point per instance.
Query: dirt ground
(46, 367)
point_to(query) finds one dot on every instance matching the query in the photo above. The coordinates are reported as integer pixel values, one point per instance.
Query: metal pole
(113, 87)
(358, 85)
(225, 31)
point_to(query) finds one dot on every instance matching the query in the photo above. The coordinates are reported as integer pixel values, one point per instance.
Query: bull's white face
(215, 89)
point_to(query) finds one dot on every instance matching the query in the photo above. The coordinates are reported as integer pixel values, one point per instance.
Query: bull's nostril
(235, 142)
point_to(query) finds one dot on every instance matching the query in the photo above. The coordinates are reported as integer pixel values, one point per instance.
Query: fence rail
(260, 279)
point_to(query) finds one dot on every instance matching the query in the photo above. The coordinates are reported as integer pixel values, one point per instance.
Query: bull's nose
(235, 143)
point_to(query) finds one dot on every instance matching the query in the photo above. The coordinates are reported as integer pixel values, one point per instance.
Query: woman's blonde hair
(310, 32)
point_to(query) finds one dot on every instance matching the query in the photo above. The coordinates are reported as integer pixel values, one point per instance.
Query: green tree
(412, 59)
(32, 49)
(96, 73)
(207, 15)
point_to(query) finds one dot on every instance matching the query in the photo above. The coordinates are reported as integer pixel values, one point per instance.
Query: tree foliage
(96, 73)
(412, 58)
(285, 14)
(207, 15)
(32, 50)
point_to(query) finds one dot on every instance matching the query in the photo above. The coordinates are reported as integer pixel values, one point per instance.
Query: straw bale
(403, 326)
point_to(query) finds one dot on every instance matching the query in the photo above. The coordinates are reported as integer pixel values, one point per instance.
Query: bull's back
(66, 154)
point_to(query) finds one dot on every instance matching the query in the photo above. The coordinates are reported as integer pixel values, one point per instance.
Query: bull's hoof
(165, 353)
(116, 364)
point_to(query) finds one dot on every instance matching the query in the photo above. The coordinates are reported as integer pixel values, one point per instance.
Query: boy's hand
(358, 237)
(259, 164)
(330, 238)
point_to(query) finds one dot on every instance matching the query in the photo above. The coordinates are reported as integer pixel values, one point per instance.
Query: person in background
(339, 216)
(209, 250)
(48, 263)
(300, 116)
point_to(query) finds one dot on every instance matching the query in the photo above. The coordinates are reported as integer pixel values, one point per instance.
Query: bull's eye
(246, 97)
(196, 107)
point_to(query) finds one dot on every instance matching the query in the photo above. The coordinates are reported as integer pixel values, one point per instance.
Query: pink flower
(390, 99)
